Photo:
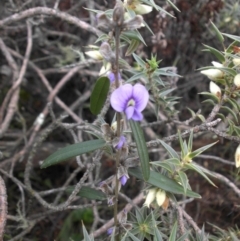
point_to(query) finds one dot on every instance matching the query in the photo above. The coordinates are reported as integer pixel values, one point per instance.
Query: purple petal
(121, 142)
(123, 180)
(141, 96)
(129, 112)
(112, 78)
(109, 231)
(137, 116)
(120, 97)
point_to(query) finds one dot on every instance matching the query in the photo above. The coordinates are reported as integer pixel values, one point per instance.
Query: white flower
(137, 7)
(237, 157)
(160, 197)
(105, 69)
(94, 54)
(215, 89)
(213, 74)
(236, 80)
(216, 64)
(150, 197)
(236, 61)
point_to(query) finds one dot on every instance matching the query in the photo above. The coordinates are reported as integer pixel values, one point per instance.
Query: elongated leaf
(99, 95)
(141, 147)
(157, 234)
(89, 193)
(173, 232)
(199, 170)
(219, 35)
(215, 52)
(86, 236)
(132, 47)
(139, 60)
(234, 37)
(232, 112)
(200, 150)
(184, 180)
(170, 150)
(72, 151)
(158, 180)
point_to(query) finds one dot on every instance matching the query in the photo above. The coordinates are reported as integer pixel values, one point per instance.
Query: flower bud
(104, 23)
(214, 89)
(106, 52)
(236, 80)
(137, 7)
(216, 64)
(105, 69)
(94, 54)
(160, 197)
(237, 157)
(150, 197)
(236, 61)
(213, 74)
(133, 23)
(118, 13)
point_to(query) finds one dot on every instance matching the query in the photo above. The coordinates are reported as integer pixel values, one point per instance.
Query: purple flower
(123, 179)
(121, 142)
(112, 78)
(110, 231)
(130, 99)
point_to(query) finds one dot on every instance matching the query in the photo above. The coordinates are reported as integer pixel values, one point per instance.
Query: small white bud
(215, 89)
(213, 74)
(160, 197)
(237, 157)
(236, 80)
(150, 197)
(94, 54)
(236, 61)
(137, 7)
(105, 69)
(216, 64)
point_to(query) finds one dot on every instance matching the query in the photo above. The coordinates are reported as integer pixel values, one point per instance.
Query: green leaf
(173, 234)
(234, 37)
(190, 141)
(139, 61)
(170, 150)
(219, 35)
(161, 181)
(132, 47)
(157, 234)
(184, 180)
(200, 150)
(215, 52)
(199, 170)
(86, 235)
(72, 151)
(141, 147)
(231, 112)
(99, 95)
(89, 193)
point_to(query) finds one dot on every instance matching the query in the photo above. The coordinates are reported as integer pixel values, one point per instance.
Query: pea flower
(150, 197)
(130, 99)
(124, 179)
(112, 78)
(213, 74)
(215, 89)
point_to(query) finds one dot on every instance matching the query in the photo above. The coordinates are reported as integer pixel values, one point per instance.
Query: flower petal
(129, 112)
(120, 97)
(121, 142)
(141, 96)
(123, 180)
(137, 116)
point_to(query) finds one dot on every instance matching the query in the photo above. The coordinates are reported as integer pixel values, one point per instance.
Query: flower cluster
(155, 194)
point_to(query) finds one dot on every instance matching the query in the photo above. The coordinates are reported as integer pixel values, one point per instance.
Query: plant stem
(116, 71)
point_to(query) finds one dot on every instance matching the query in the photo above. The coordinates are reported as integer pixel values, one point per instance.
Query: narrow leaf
(132, 47)
(72, 151)
(169, 149)
(141, 147)
(161, 181)
(86, 235)
(219, 35)
(89, 193)
(99, 95)
(184, 180)
(173, 232)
